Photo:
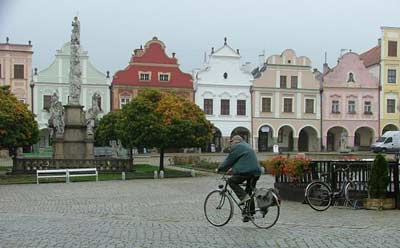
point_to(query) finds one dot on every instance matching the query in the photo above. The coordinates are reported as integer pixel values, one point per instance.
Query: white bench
(66, 173)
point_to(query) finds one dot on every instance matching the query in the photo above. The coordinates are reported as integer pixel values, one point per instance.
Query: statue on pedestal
(92, 113)
(56, 120)
(343, 142)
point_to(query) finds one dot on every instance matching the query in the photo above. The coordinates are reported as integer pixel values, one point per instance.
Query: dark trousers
(251, 182)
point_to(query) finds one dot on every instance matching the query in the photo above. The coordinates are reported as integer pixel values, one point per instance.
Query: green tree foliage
(379, 178)
(163, 120)
(108, 128)
(18, 127)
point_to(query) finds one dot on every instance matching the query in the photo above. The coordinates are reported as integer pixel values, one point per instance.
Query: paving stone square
(169, 213)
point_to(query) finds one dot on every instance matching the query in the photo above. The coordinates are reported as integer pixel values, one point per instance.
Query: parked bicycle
(219, 208)
(320, 196)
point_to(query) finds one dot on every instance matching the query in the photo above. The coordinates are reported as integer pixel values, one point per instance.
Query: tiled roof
(372, 56)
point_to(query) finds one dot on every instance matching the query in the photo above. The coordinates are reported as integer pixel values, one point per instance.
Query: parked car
(389, 142)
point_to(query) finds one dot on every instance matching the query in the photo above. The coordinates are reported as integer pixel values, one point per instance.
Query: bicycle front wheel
(318, 196)
(218, 208)
(267, 217)
(353, 199)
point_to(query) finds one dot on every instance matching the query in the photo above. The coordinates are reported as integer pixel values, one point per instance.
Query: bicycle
(320, 197)
(218, 207)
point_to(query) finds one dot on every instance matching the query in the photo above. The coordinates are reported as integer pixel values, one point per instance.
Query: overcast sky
(111, 30)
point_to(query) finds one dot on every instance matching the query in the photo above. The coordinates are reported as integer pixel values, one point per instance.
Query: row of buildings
(282, 101)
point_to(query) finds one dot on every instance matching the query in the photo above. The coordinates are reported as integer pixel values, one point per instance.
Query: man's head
(235, 140)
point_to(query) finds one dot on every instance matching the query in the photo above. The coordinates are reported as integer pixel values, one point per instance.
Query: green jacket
(242, 159)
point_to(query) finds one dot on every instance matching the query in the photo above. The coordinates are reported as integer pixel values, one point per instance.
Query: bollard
(161, 174)
(262, 170)
(123, 175)
(155, 174)
(192, 173)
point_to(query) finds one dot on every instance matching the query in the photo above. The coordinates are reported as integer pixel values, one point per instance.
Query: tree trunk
(161, 159)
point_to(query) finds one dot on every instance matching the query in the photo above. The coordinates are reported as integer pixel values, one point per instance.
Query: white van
(389, 142)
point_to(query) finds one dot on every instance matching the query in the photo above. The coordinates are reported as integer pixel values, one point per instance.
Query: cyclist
(242, 160)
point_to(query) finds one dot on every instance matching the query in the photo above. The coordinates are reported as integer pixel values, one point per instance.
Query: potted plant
(377, 186)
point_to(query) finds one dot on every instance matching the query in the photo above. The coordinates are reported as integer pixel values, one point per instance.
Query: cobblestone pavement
(169, 213)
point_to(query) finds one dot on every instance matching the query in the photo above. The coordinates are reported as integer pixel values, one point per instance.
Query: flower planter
(379, 204)
(291, 191)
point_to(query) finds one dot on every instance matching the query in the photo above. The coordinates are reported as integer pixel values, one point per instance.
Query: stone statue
(75, 66)
(91, 114)
(343, 141)
(56, 120)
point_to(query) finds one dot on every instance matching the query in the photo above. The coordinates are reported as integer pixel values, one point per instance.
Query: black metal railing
(359, 172)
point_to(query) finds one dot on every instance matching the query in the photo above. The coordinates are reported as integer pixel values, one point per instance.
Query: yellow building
(389, 70)
(383, 61)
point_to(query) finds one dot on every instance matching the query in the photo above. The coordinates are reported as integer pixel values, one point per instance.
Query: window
(19, 71)
(391, 77)
(208, 106)
(46, 102)
(164, 77)
(351, 78)
(241, 107)
(389, 140)
(144, 76)
(293, 82)
(287, 105)
(367, 108)
(225, 75)
(266, 104)
(123, 100)
(391, 106)
(392, 48)
(351, 107)
(225, 107)
(310, 106)
(283, 82)
(335, 106)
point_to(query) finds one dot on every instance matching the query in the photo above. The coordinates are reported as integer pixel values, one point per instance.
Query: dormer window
(163, 77)
(144, 76)
(350, 78)
(225, 75)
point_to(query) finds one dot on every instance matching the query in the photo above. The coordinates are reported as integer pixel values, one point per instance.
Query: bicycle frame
(228, 193)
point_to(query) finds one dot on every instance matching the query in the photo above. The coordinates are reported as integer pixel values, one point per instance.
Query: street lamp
(32, 85)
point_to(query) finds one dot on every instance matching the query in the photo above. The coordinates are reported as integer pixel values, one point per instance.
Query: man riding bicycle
(242, 160)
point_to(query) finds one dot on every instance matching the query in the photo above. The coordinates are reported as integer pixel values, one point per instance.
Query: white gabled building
(55, 78)
(222, 90)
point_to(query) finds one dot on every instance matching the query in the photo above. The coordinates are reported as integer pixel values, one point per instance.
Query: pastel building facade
(350, 100)
(16, 69)
(150, 67)
(55, 78)
(286, 104)
(222, 90)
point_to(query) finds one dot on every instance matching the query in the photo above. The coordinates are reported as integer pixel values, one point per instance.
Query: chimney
(173, 55)
(325, 68)
(379, 42)
(237, 51)
(108, 74)
(30, 43)
(7, 39)
(212, 50)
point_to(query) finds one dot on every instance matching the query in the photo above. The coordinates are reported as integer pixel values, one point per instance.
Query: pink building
(350, 100)
(16, 69)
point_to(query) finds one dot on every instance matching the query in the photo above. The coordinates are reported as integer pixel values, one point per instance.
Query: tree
(163, 120)
(18, 127)
(378, 178)
(108, 128)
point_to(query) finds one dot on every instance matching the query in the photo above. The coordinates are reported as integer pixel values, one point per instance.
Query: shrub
(275, 165)
(379, 178)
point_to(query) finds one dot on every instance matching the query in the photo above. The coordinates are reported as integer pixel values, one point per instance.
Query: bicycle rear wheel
(318, 196)
(218, 208)
(267, 217)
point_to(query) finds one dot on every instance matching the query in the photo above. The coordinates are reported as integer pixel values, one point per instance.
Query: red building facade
(150, 67)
